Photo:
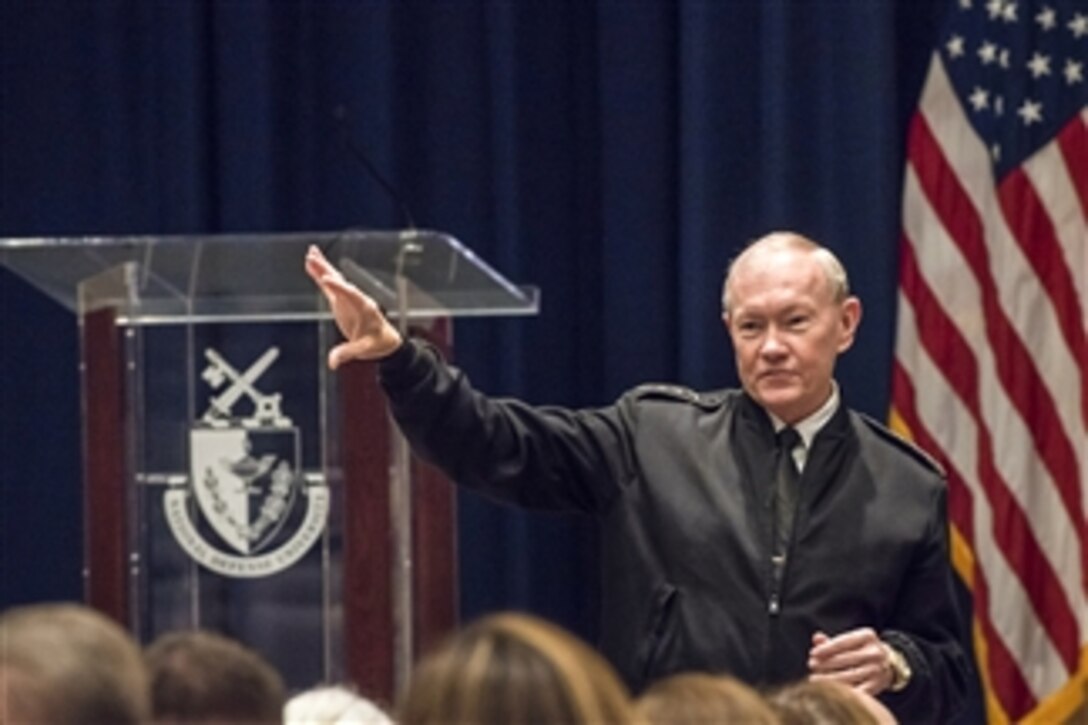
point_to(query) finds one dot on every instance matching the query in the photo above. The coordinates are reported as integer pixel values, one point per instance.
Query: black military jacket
(680, 483)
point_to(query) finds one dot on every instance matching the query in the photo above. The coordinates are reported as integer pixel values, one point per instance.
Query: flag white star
(979, 98)
(1003, 58)
(999, 105)
(1079, 25)
(995, 151)
(1073, 71)
(1008, 13)
(1031, 111)
(955, 46)
(965, 4)
(1039, 65)
(993, 7)
(1046, 18)
(987, 53)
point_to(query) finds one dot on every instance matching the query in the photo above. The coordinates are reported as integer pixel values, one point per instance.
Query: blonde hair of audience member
(333, 705)
(696, 698)
(514, 668)
(203, 677)
(824, 702)
(66, 664)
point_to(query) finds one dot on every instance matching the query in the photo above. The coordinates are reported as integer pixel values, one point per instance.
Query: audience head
(68, 664)
(201, 677)
(332, 706)
(513, 668)
(698, 698)
(821, 702)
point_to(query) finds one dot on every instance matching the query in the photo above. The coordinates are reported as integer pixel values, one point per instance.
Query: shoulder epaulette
(908, 447)
(678, 393)
(666, 391)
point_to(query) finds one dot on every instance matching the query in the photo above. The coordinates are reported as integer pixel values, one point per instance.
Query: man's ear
(849, 319)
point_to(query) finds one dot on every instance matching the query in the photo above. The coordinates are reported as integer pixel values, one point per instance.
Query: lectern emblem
(255, 514)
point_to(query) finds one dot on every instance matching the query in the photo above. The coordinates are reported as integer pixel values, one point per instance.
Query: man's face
(787, 330)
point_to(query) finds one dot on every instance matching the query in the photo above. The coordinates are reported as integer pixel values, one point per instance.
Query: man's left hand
(857, 658)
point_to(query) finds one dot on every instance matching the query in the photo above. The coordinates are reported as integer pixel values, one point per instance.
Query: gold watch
(899, 667)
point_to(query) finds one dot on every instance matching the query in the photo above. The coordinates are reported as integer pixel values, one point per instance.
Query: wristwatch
(899, 667)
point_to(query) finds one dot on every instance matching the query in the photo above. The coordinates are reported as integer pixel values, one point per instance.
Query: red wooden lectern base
(368, 546)
(105, 584)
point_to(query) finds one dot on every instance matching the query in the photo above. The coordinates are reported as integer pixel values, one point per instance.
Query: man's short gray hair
(833, 269)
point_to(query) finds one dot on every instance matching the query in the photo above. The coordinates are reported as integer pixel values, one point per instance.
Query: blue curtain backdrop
(616, 154)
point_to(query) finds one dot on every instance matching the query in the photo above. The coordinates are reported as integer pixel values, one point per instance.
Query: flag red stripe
(1073, 145)
(1012, 531)
(954, 358)
(1006, 679)
(1073, 142)
(1034, 232)
(959, 495)
(1008, 683)
(1015, 367)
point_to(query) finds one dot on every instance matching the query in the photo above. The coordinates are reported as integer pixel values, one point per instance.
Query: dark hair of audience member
(514, 668)
(812, 702)
(68, 664)
(202, 677)
(695, 698)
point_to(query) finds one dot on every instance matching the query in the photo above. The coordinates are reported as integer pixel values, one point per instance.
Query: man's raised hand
(369, 335)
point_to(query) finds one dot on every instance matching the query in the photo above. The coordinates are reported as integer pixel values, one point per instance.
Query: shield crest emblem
(245, 482)
(246, 477)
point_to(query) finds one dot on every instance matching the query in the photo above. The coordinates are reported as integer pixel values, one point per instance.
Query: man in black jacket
(768, 532)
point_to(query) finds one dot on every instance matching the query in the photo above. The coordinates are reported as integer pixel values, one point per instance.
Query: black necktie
(786, 488)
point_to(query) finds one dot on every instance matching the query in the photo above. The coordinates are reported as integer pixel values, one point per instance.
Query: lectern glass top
(255, 277)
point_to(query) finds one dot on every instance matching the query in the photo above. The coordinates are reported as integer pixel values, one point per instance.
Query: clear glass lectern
(231, 482)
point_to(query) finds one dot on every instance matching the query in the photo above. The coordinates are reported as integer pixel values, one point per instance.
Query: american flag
(991, 365)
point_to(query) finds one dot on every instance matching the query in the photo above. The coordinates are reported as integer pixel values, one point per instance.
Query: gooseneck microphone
(341, 115)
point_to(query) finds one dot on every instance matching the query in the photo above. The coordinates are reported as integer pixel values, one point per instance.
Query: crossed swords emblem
(266, 408)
